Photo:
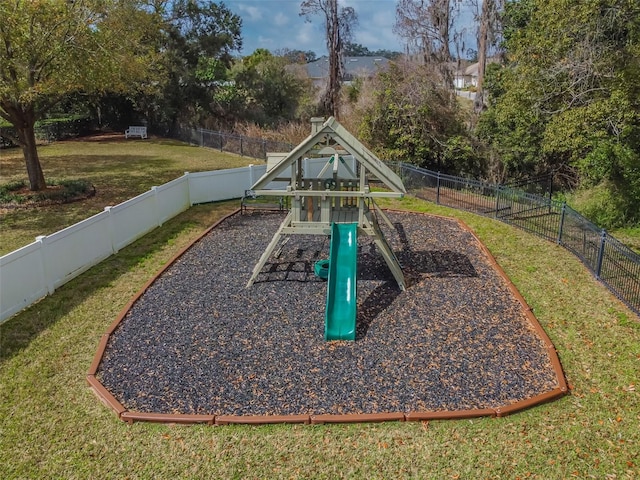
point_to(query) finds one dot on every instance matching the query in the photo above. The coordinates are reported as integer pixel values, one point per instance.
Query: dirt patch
(100, 137)
(52, 195)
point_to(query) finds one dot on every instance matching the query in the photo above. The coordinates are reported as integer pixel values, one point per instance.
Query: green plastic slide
(340, 312)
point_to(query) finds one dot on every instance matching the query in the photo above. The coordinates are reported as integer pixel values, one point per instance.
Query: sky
(276, 24)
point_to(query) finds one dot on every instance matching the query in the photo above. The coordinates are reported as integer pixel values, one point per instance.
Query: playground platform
(196, 346)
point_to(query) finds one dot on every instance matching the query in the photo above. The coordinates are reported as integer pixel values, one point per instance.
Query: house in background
(354, 67)
(466, 77)
(463, 76)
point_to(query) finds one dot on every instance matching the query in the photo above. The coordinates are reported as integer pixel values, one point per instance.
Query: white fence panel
(219, 185)
(36, 270)
(256, 171)
(173, 198)
(75, 249)
(130, 220)
(22, 279)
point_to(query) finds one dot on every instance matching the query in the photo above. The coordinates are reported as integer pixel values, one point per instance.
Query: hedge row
(50, 129)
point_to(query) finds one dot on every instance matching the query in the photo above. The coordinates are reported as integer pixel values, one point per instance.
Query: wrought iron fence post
(241, 146)
(201, 137)
(603, 241)
(438, 189)
(264, 149)
(498, 188)
(561, 226)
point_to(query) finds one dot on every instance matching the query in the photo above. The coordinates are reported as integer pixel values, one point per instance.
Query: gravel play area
(199, 342)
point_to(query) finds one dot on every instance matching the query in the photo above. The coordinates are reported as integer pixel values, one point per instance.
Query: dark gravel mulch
(198, 342)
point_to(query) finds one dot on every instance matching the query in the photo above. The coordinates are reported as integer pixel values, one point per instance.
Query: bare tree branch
(339, 23)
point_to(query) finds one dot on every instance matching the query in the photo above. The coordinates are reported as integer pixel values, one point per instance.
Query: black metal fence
(233, 143)
(613, 263)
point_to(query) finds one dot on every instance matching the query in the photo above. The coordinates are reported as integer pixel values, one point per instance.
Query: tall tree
(49, 49)
(427, 26)
(489, 27)
(271, 92)
(568, 98)
(338, 23)
(413, 117)
(198, 42)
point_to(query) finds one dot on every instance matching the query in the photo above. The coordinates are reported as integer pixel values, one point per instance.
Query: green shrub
(603, 205)
(60, 128)
(14, 193)
(8, 192)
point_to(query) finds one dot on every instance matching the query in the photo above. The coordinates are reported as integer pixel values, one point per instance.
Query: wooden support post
(371, 228)
(391, 260)
(269, 250)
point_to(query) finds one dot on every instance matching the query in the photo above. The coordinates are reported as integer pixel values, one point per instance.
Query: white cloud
(265, 42)
(304, 36)
(254, 13)
(375, 28)
(280, 20)
(276, 24)
(383, 19)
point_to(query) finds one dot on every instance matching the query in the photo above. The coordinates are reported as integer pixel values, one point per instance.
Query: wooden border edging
(105, 396)
(261, 419)
(179, 418)
(450, 415)
(358, 418)
(104, 340)
(530, 402)
(186, 419)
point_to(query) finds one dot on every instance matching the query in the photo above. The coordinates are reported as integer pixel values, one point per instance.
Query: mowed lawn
(52, 426)
(119, 169)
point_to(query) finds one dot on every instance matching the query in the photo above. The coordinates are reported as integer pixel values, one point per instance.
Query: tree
(358, 50)
(297, 56)
(338, 23)
(271, 92)
(427, 27)
(488, 34)
(413, 118)
(199, 39)
(569, 97)
(51, 49)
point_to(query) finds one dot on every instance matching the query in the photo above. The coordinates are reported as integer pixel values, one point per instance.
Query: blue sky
(276, 24)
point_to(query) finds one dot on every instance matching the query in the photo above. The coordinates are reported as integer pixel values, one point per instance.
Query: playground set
(335, 200)
(464, 362)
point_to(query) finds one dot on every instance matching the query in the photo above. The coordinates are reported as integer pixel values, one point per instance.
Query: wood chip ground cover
(198, 342)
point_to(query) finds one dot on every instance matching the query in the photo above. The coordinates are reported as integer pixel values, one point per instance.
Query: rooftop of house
(353, 66)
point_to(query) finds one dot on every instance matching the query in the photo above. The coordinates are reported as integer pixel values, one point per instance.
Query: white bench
(136, 132)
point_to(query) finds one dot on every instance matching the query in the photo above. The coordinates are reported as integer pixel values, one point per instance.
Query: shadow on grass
(18, 332)
(109, 165)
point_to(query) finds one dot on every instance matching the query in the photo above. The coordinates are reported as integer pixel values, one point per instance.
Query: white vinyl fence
(36, 270)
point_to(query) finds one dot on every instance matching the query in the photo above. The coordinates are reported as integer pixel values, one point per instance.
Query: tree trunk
(483, 40)
(23, 119)
(27, 140)
(333, 37)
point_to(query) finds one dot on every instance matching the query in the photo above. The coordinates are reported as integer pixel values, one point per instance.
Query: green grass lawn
(119, 170)
(52, 426)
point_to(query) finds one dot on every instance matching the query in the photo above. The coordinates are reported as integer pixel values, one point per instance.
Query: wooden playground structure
(339, 193)
(334, 198)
